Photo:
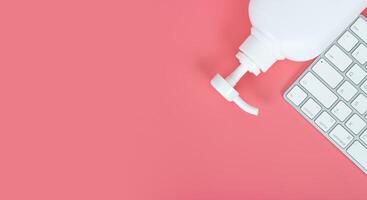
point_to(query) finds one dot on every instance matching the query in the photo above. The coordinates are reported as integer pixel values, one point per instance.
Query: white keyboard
(332, 93)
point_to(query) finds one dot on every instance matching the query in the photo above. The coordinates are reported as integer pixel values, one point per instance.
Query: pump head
(226, 86)
(228, 92)
(255, 57)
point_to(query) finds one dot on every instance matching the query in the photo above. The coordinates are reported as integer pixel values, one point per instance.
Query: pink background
(111, 100)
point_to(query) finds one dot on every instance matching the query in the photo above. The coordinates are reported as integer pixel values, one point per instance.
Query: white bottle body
(300, 30)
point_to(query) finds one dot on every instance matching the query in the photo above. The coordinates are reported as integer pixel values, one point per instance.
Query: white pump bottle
(298, 30)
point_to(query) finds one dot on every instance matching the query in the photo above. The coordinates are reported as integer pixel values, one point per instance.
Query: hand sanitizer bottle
(298, 30)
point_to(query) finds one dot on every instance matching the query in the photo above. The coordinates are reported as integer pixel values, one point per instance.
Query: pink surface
(111, 100)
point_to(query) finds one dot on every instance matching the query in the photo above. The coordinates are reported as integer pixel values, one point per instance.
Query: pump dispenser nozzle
(255, 57)
(226, 87)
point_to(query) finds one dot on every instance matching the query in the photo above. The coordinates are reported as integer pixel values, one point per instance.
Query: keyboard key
(318, 90)
(311, 108)
(356, 74)
(360, 104)
(359, 153)
(347, 91)
(348, 41)
(364, 137)
(360, 54)
(355, 124)
(341, 111)
(364, 87)
(325, 121)
(341, 136)
(338, 58)
(327, 73)
(297, 95)
(360, 28)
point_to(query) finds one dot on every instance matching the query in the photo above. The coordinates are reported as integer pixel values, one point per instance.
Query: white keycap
(297, 95)
(311, 108)
(359, 153)
(360, 104)
(348, 41)
(364, 87)
(347, 91)
(360, 54)
(356, 74)
(360, 28)
(341, 136)
(364, 137)
(341, 111)
(318, 90)
(327, 73)
(338, 58)
(325, 121)
(355, 124)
